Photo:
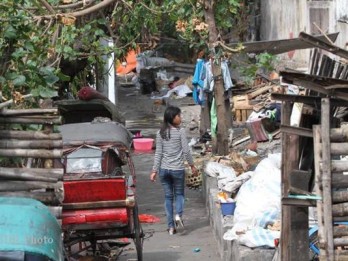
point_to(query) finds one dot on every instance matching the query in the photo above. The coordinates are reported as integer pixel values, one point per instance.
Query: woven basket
(193, 182)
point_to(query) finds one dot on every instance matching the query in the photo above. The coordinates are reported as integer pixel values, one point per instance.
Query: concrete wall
(282, 19)
(342, 13)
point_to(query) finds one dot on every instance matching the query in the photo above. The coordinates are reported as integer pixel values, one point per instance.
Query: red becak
(87, 93)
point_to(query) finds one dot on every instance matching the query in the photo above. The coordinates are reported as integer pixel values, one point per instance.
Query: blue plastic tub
(228, 208)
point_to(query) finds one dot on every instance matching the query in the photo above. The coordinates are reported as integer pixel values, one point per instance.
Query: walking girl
(169, 164)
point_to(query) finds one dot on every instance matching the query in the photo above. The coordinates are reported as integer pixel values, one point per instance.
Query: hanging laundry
(208, 85)
(213, 119)
(198, 82)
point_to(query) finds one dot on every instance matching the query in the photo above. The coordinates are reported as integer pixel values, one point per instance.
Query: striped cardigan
(171, 154)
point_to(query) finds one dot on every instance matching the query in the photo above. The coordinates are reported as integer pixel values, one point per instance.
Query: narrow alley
(196, 242)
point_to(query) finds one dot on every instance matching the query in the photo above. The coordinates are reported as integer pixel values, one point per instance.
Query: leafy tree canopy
(38, 36)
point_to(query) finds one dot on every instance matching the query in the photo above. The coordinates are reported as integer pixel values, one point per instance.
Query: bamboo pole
(50, 197)
(9, 102)
(339, 134)
(31, 144)
(340, 196)
(32, 120)
(28, 153)
(99, 204)
(318, 181)
(337, 165)
(339, 180)
(340, 231)
(32, 173)
(340, 209)
(326, 177)
(8, 112)
(29, 135)
(341, 242)
(12, 186)
(339, 148)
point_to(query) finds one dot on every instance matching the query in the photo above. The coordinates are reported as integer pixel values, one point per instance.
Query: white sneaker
(178, 221)
(171, 231)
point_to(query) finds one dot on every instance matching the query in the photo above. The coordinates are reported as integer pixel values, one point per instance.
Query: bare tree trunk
(220, 143)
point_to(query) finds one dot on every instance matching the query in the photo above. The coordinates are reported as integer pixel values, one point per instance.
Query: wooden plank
(285, 232)
(315, 42)
(318, 188)
(309, 100)
(244, 115)
(294, 231)
(315, 83)
(326, 177)
(298, 202)
(304, 132)
(238, 115)
(259, 91)
(279, 46)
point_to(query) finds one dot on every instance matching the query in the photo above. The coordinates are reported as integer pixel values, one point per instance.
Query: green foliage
(30, 50)
(263, 62)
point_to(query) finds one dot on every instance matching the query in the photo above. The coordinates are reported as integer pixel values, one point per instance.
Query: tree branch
(48, 6)
(232, 50)
(83, 12)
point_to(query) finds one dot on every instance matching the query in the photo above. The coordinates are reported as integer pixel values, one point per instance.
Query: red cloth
(87, 93)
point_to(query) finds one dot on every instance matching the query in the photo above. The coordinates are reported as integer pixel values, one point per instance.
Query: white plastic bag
(224, 174)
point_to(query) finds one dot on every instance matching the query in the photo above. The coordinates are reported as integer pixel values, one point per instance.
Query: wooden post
(294, 231)
(221, 144)
(285, 229)
(326, 177)
(318, 180)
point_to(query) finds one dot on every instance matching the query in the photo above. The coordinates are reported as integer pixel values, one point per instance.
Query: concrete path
(197, 241)
(158, 245)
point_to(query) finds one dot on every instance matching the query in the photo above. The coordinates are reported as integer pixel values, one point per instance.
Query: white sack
(258, 197)
(224, 174)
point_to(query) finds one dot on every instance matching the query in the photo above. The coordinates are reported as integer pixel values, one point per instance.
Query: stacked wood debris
(254, 98)
(28, 141)
(312, 174)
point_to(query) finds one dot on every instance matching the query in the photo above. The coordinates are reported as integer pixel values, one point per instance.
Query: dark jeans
(173, 182)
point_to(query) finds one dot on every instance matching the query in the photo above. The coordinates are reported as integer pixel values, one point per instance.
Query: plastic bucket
(228, 208)
(143, 143)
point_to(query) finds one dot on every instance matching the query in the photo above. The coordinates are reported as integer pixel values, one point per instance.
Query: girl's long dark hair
(169, 115)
